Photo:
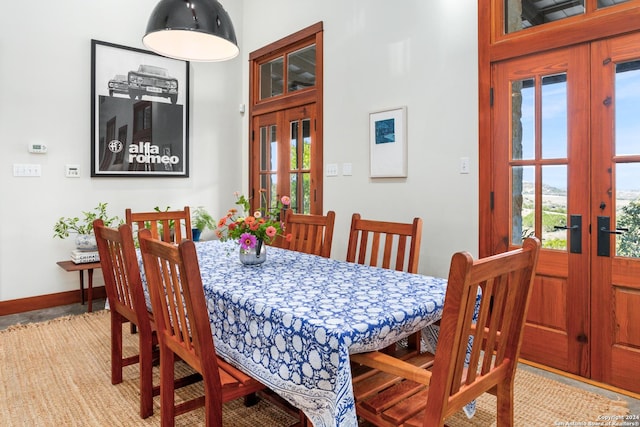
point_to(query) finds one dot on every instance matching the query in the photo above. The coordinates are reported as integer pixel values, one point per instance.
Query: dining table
(293, 321)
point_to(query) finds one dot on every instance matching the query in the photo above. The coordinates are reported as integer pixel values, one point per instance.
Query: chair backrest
(168, 226)
(121, 273)
(311, 234)
(478, 344)
(376, 243)
(179, 308)
(505, 281)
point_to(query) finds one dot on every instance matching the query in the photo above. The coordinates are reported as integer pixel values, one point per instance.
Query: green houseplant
(84, 226)
(200, 221)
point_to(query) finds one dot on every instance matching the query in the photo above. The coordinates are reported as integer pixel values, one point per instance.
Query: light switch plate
(332, 169)
(26, 169)
(464, 165)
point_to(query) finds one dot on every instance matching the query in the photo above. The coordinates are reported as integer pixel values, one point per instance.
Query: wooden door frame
(314, 95)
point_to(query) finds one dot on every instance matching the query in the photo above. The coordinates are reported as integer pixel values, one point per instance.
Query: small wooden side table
(88, 266)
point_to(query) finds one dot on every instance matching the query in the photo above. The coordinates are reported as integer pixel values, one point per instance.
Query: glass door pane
(268, 165)
(627, 158)
(607, 3)
(521, 14)
(539, 159)
(300, 165)
(272, 78)
(301, 68)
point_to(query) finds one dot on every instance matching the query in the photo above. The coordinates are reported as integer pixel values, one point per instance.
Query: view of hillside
(554, 205)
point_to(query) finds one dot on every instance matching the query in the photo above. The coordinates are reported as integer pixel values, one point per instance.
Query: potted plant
(85, 240)
(200, 221)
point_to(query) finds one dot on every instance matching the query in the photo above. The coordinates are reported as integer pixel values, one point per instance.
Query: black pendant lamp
(191, 30)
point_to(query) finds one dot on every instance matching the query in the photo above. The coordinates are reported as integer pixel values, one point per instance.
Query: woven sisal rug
(57, 373)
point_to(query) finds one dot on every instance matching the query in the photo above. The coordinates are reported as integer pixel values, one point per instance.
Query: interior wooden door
(615, 217)
(540, 181)
(302, 161)
(266, 160)
(566, 167)
(286, 159)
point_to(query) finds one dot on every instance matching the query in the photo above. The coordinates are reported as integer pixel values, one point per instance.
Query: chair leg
(212, 406)
(304, 421)
(167, 400)
(116, 348)
(251, 399)
(504, 405)
(146, 376)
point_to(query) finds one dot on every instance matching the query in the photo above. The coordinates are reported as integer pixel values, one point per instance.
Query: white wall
(45, 97)
(421, 54)
(379, 55)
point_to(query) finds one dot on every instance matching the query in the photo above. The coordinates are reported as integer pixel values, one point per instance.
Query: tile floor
(98, 304)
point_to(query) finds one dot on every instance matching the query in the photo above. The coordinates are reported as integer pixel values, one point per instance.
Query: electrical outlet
(72, 171)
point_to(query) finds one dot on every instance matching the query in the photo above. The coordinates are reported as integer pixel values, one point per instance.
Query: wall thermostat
(37, 148)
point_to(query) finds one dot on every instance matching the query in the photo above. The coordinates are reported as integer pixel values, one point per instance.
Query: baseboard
(46, 301)
(581, 379)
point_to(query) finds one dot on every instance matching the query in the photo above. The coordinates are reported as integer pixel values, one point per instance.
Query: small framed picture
(140, 113)
(388, 143)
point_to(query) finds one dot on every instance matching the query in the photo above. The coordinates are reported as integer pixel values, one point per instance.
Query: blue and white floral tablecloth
(293, 321)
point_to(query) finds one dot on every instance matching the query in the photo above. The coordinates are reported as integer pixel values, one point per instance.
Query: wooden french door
(288, 158)
(566, 152)
(615, 205)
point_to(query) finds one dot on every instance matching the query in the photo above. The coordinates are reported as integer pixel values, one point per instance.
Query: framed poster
(140, 113)
(388, 143)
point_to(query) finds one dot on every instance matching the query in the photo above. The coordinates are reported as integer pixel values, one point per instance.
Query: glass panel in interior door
(294, 163)
(306, 140)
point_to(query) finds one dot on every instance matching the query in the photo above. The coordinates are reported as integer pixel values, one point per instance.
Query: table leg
(81, 287)
(90, 293)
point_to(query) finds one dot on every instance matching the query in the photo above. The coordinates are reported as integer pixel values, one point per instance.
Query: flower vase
(254, 256)
(86, 242)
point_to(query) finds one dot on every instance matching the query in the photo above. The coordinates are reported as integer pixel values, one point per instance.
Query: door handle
(604, 233)
(575, 233)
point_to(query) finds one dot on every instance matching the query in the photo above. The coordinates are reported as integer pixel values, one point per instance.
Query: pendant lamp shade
(191, 30)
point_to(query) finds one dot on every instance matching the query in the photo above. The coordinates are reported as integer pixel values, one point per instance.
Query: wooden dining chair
(392, 245)
(311, 234)
(423, 390)
(377, 243)
(182, 319)
(127, 303)
(168, 226)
